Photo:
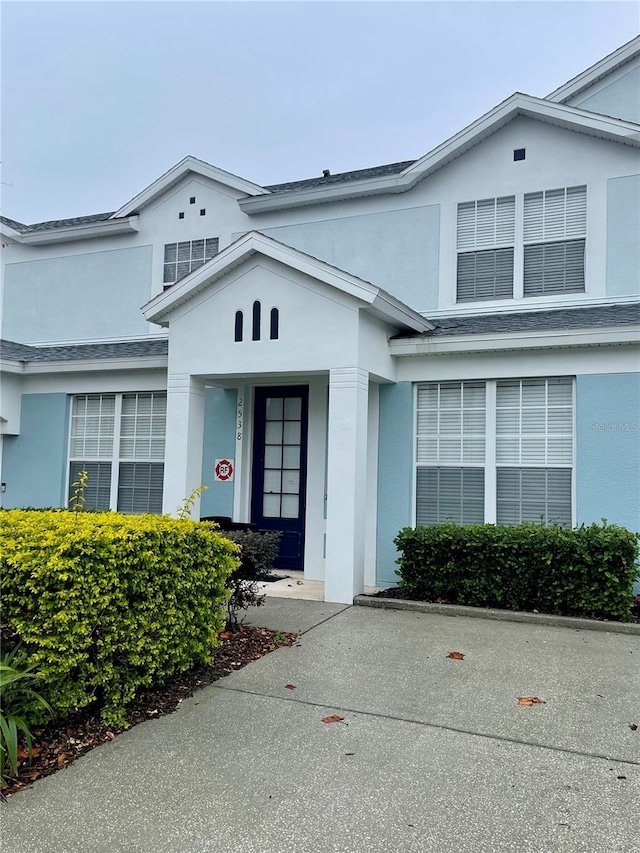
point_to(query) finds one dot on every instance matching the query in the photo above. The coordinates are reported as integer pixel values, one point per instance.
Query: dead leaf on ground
(23, 752)
(289, 687)
(333, 718)
(530, 700)
(456, 655)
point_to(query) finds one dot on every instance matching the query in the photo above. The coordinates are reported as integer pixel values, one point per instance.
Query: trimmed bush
(107, 603)
(258, 550)
(588, 571)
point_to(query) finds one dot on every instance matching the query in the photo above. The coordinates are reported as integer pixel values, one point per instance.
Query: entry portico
(304, 345)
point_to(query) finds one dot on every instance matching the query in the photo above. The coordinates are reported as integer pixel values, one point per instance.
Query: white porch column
(184, 436)
(346, 484)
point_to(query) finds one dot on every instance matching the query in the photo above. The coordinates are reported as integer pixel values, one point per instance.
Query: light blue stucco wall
(623, 236)
(397, 250)
(395, 475)
(620, 98)
(219, 443)
(34, 464)
(608, 449)
(77, 297)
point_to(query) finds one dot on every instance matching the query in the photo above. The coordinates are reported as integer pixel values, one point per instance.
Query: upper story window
(182, 258)
(555, 228)
(527, 245)
(486, 236)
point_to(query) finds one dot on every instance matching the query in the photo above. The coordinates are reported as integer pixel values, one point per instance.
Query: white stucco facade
(339, 300)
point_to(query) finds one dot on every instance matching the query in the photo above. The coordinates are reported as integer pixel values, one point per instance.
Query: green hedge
(588, 571)
(107, 603)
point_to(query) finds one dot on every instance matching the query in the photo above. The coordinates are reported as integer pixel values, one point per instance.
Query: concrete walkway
(433, 754)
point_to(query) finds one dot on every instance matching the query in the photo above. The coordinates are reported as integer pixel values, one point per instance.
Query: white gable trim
(9, 232)
(596, 72)
(177, 173)
(380, 303)
(569, 118)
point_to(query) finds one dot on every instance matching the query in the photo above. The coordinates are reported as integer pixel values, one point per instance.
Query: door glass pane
(273, 456)
(271, 506)
(291, 482)
(272, 480)
(292, 432)
(293, 408)
(289, 506)
(291, 457)
(273, 432)
(274, 408)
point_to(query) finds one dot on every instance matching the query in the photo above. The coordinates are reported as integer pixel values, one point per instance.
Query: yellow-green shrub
(107, 603)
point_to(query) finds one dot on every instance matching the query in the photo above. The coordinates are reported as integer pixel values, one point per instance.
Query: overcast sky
(100, 98)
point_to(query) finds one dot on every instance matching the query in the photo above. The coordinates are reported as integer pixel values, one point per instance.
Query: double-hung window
(555, 227)
(495, 451)
(182, 258)
(485, 242)
(545, 232)
(451, 444)
(119, 440)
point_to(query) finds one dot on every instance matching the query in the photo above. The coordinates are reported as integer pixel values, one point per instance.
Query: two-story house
(454, 337)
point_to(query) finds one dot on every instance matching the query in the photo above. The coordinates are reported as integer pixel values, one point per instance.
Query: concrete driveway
(433, 754)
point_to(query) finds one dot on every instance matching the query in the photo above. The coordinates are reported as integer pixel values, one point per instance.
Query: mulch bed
(58, 745)
(396, 592)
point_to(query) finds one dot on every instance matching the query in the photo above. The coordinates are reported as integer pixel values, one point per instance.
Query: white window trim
(177, 243)
(490, 465)
(115, 458)
(544, 300)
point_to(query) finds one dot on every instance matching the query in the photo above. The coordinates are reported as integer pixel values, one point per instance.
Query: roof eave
(86, 231)
(87, 365)
(315, 195)
(531, 339)
(10, 233)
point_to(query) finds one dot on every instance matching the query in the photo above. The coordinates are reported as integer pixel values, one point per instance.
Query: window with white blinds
(451, 441)
(555, 227)
(495, 451)
(527, 245)
(119, 440)
(534, 450)
(182, 258)
(485, 241)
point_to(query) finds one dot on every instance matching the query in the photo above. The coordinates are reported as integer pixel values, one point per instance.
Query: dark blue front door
(280, 468)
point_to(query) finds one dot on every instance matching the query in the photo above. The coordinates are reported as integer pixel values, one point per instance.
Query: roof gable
(569, 118)
(176, 174)
(377, 300)
(603, 68)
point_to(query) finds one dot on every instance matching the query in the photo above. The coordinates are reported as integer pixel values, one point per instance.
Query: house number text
(239, 418)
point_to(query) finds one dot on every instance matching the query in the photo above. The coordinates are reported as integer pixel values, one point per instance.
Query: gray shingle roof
(309, 183)
(342, 177)
(55, 223)
(595, 316)
(13, 351)
(13, 223)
